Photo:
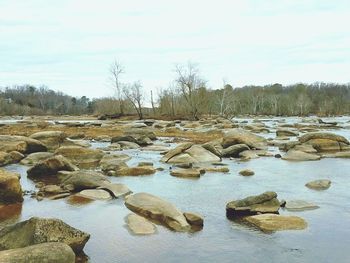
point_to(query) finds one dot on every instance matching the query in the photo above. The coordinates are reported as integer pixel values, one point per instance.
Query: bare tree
(189, 81)
(116, 69)
(152, 103)
(134, 94)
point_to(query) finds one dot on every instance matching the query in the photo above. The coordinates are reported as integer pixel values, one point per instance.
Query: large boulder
(252, 205)
(34, 158)
(51, 166)
(281, 132)
(21, 144)
(295, 155)
(41, 230)
(52, 252)
(140, 225)
(10, 187)
(325, 141)
(51, 139)
(10, 157)
(240, 136)
(80, 180)
(273, 222)
(156, 208)
(81, 156)
(234, 150)
(113, 162)
(190, 153)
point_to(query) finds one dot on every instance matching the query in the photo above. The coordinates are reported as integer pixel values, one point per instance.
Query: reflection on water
(327, 238)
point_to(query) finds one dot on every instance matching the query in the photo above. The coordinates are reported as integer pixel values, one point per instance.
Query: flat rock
(273, 222)
(186, 173)
(294, 155)
(34, 158)
(95, 194)
(82, 157)
(83, 179)
(322, 184)
(194, 219)
(300, 205)
(140, 225)
(53, 252)
(246, 172)
(156, 208)
(116, 190)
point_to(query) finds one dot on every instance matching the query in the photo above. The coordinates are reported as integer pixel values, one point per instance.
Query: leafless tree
(116, 69)
(152, 103)
(189, 81)
(134, 94)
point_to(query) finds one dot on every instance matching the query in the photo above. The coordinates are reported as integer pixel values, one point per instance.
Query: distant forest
(188, 97)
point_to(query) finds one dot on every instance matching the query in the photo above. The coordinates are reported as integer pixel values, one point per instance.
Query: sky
(69, 45)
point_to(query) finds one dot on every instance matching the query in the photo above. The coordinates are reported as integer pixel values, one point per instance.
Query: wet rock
(10, 187)
(41, 230)
(273, 222)
(51, 139)
(95, 194)
(51, 166)
(53, 252)
(234, 150)
(319, 184)
(246, 172)
(21, 144)
(286, 132)
(345, 154)
(140, 225)
(34, 158)
(80, 180)
(305, 148)
(213, 147)
(116, 190)
(52, 189)
(294, 155)
(248, 154)
(176, 151)
(128, 145)
(135, 171)
(186, 173)
(194, 219)
(323, 135)
(324, 141)
(240, 136)
(80, 156)
(300, 205)
(263, 203)
(222, 169)
(156, 208)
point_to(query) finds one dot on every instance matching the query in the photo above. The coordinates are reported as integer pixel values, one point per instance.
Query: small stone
(246, 172)
(194, 219)
(319, 184)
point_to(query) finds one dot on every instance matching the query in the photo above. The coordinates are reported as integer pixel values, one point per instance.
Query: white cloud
(68, 45)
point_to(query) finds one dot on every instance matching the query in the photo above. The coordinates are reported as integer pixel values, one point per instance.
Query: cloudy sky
(69, 45)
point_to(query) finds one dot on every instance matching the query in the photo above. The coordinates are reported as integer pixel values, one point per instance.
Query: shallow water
(327, 238)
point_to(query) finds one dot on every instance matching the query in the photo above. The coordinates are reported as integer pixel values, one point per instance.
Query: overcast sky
(68, 45)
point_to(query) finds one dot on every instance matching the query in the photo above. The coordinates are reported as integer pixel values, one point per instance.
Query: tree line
(188, 96)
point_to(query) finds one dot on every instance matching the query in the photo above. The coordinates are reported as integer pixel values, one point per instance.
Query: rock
(33, 158)
(51, 166)
(140, 225)
(21, 144)
(189, 153)
(114, 161)
(51, 139)
(273, 222)
(323, 136)
(263, 203)
(137, 132)
(156, 208)
(300, 205)
(125, 145)
(10, 187)
(80, 180)
(53, 252)
(95, 194)
(41, 230)
(116, 190)
(52, 189)
(186, 173)
(213, 147)
(215, 169)
(5, 158)
(240, 136)
(286, 132)
(194, 219)
(325, 145)
(294, 155)
(234, 150)
(80, 156)
(319, 184)
(305, 148)
(246, 172)
(103, 138)
(135, 171)
(249, 154)
(337, 155)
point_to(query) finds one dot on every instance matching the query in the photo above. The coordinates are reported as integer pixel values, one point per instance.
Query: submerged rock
(10, 188)
(300, 205)
(41, 230)
(52, 252)
(156, 208)
(273, 222)
(319, 184)
(252, 205)
(140, 225)
(246, 172)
